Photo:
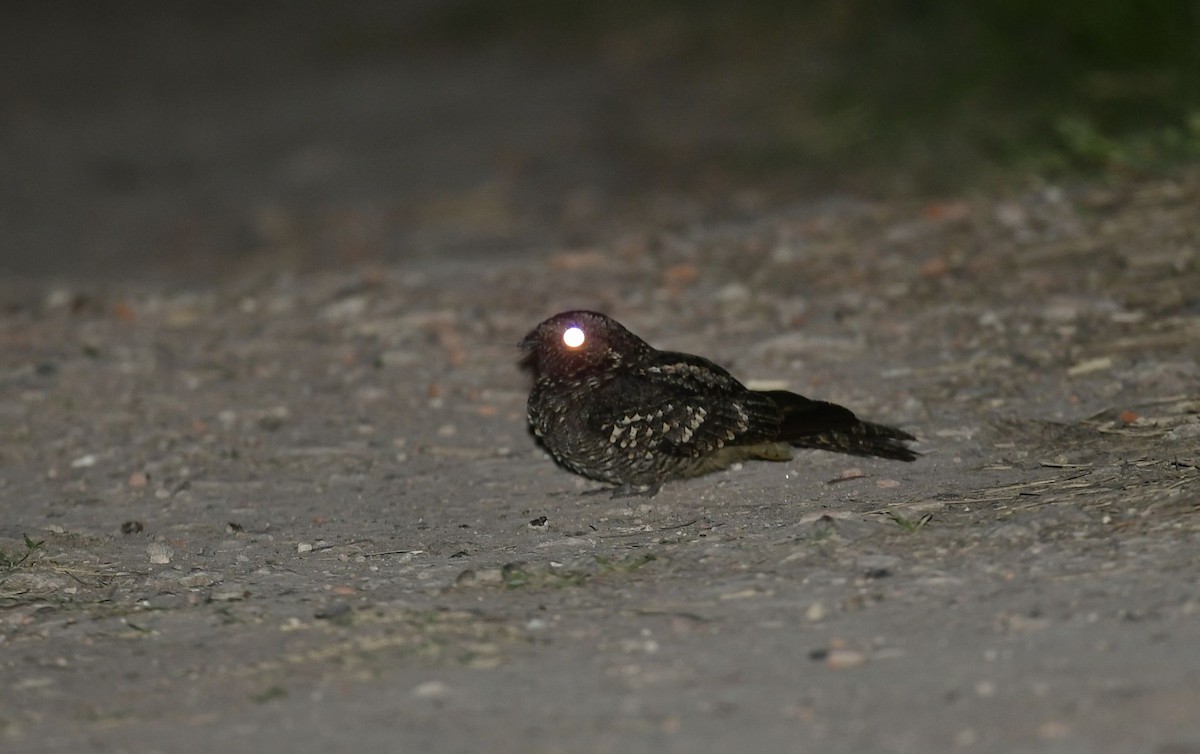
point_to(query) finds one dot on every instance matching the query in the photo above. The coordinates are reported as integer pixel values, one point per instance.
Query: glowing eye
(573, 337)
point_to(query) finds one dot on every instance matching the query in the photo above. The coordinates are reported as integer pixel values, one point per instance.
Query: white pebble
(159, 553)
(431, 690)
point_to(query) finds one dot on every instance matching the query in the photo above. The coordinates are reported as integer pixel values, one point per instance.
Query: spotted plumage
(608, 406)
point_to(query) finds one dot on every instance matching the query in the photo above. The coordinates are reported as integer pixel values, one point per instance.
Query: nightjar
(608, 406)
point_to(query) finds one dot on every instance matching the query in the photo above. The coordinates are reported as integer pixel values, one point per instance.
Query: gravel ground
(251, 509)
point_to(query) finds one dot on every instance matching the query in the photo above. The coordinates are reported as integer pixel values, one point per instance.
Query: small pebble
(489, 576)
(679, 275)
(159, 553)
(332, 612)
(1091, 365)
(1183, 432)
(733, 293)
(741, 594)
(844, 659)
(431, 690)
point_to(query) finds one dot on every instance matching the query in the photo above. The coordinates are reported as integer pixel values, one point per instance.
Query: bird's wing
(803, 417)
(682, 405)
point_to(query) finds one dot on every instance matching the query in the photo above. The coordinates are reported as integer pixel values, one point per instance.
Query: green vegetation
(917, 94)
(909, 525)
(11, 562)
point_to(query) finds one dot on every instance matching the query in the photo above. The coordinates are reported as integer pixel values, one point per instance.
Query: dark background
(184, 141)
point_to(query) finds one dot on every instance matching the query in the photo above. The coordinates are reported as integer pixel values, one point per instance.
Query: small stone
(815, 612)
(1183, 432)
(489, 576)
(741, 594)
(579, 260)
(680, 275)
(138, 480)
(733, 293)
(83, 462)
(844, 659)
(274, 419)
(334, 612)
(875, 563)
(159, 554)
(1091, 365)
(303, 547)
(344, 310)
(431, 690)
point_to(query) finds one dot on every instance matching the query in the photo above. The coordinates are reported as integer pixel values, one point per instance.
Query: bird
(608, 406)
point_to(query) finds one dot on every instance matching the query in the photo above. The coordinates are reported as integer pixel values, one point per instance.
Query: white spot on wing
(743, 420)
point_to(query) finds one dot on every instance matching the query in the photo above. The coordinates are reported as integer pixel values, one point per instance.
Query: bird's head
(578, 344)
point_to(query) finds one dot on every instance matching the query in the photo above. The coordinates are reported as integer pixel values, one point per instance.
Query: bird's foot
(635, 490)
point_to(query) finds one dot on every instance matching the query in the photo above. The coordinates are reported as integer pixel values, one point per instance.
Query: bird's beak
(528, 346)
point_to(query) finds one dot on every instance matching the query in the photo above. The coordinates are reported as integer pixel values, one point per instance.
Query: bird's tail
(827, 426)
(863, 439)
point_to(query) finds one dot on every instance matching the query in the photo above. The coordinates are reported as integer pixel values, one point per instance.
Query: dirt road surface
(265, 481)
